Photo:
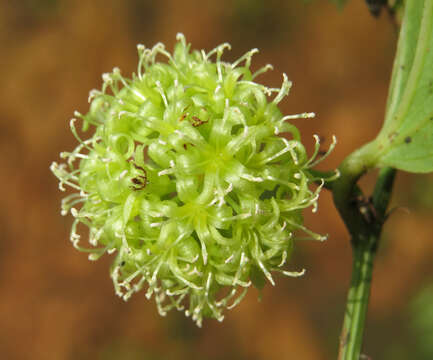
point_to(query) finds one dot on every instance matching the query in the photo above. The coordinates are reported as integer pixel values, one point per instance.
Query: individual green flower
(192, 176)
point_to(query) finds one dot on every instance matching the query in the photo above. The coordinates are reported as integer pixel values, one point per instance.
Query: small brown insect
(367, 209)
(185, 146)
(197, 121)
(184, 115)
(140, 181)
(139, 167)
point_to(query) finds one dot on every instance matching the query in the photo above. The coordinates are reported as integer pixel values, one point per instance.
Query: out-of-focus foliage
(119, 350)
(340, 3)
(38, 9)
(268, 21)
(421, 195)
(422, 323)
(374, 6)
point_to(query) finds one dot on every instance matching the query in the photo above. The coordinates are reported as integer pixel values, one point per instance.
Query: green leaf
(406, 139)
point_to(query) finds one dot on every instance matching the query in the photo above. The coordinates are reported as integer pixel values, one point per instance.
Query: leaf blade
(406, 139)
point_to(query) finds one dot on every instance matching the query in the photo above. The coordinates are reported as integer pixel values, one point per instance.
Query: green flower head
(192, 176)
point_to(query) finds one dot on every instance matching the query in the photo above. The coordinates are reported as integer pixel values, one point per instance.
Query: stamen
(63, 176)
(243, 261)
(166, 172)
(66, 154)
(106, 78)
(289, 146)
(229, 259)
(141, 57)
(283, 258)
(74, 132)
(283, 182)
(313, 163)
(122, 174)
(203, 252)
(92, 94)
(309, 232)
(187, 282)
(161, 92)
(239, 298)
(284, 91)
(259, 262)
(247, 57)
(94, 237)
(252, 178)
(262, 70)
(208, 283)
(219, 50)
(169, 170)
(203, 55)
(294, 273)
(305, 115)
(237, 217)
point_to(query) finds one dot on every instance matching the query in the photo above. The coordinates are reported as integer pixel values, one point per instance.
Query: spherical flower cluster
(193, 177)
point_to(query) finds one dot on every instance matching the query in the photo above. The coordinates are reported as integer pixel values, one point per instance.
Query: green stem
(357, 302)
(364, 220)
(345, 191)
(382, 192)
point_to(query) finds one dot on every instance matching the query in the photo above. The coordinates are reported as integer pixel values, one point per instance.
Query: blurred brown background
(55, 304)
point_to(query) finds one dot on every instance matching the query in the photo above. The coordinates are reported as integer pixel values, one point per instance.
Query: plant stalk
(364, 220)
(357, 303)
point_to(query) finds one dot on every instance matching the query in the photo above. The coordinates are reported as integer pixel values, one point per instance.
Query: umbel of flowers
(192, 177)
